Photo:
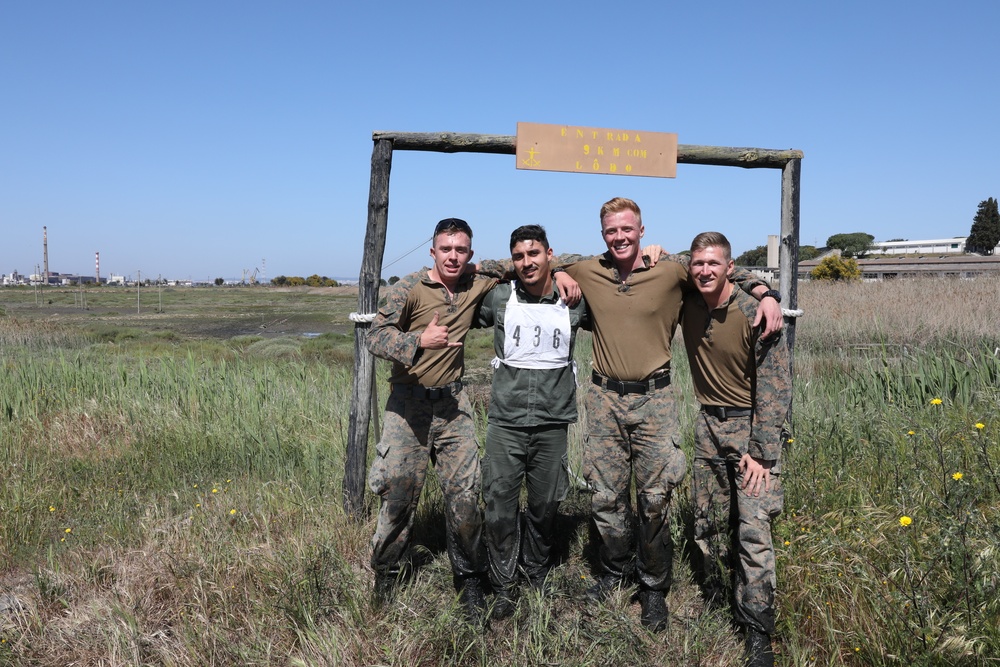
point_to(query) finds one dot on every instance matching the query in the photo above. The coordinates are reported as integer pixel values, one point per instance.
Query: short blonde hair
(619, 204)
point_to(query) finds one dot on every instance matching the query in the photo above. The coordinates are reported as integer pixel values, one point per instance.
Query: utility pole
(138, 281)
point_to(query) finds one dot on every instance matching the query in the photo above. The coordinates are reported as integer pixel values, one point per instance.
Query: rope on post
(787, 312)
(361, 318)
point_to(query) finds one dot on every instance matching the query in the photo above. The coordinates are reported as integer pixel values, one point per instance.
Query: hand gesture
(435, 336)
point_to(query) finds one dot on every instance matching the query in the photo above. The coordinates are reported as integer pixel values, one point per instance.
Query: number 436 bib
(537, 334)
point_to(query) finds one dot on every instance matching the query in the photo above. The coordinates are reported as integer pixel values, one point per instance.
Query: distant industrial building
(937, 258)
(932, 247)
(918, 266)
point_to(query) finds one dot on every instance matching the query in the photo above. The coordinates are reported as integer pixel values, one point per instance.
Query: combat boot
(654, 610)
(473, 599)
(385, 589)
(758, 649)
(503, 604)
(604, 587)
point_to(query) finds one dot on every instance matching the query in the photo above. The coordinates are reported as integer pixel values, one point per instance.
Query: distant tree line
(298, 281)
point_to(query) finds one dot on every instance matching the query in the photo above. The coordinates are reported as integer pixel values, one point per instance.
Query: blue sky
(198, 139)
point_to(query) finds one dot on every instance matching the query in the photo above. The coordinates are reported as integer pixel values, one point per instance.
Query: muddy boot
(758, 649)
(385, 590)
(604, 587)
(654, 610)
(503, 604)
(473, 599)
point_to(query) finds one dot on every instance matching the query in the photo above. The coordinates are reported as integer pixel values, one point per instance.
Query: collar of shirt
(425, 277)
(527, 297)
(609, 263)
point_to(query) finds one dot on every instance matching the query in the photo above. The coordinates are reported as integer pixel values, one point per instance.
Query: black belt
(427, 393)
(725, 412)
(622, 388)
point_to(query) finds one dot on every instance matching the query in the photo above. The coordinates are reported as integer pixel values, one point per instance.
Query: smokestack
(97, 267)
(45, 252)
(772, 251)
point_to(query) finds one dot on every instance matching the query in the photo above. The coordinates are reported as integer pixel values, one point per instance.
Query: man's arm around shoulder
(388, 338)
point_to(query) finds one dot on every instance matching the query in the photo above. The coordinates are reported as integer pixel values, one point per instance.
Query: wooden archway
(788, 161)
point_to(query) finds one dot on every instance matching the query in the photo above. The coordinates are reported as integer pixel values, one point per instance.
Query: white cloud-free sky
(199, 139)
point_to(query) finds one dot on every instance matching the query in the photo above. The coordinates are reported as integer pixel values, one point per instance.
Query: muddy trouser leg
(711, 501)
(455, 454)
(607, 469)
(755, 572)
(659, 466)
(503, 471)
(548, 483)
(397, 476)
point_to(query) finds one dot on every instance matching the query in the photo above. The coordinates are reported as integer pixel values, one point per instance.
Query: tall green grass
(175, 500)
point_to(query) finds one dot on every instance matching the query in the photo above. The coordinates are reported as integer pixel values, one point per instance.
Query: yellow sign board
(596, 150)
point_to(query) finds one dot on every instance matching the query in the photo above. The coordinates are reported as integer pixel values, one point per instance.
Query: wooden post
(788, 251)
(356, 459)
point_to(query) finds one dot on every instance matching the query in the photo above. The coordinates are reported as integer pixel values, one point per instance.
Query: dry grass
(199, 479)
(916, 314)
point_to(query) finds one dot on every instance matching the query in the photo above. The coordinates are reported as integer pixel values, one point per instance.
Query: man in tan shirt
(632, 424)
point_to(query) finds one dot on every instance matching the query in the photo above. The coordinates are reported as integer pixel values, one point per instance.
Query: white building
(930, 247)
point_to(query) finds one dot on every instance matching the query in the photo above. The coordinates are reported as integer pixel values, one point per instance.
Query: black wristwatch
(773, 293)
(558, 269)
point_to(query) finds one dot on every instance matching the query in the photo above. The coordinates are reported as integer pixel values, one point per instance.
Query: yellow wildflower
(232, 511)
(980, 425)
(905, 521)
(910, 432)
(936, 401)
(69, 530)
(956, 476)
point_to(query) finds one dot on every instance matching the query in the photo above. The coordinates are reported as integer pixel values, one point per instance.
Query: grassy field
(172, 493)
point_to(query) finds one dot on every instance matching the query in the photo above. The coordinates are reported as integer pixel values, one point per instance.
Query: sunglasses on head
(453, 224)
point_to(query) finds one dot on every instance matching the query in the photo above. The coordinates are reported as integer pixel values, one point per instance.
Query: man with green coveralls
(743, 383)
(532, 403)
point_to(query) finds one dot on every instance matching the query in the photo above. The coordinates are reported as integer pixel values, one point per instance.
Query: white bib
(537, 335)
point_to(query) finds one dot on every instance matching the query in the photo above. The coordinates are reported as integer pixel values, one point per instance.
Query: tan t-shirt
(719, 345)
(406, 312)
(634, 322)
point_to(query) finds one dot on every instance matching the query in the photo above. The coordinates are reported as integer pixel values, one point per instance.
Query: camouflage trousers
(536, 457)
(746, 523)
(414, 432)
(633, 435)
